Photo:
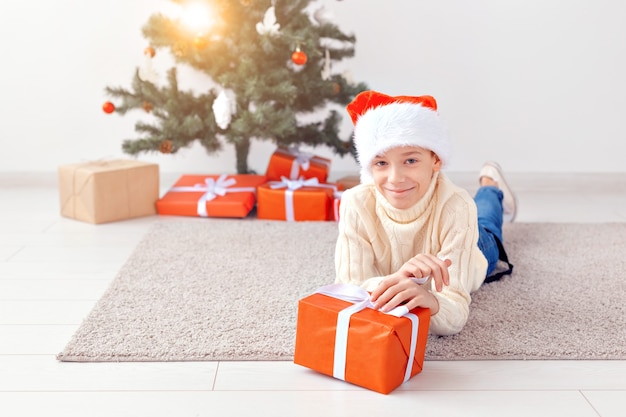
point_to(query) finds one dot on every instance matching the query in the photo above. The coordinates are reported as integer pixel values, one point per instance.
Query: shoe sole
(506, 188)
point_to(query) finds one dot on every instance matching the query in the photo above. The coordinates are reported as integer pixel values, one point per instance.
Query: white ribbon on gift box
(361, 300)
(301, 160)
(336, 203)
(213, 188)
(293, 185)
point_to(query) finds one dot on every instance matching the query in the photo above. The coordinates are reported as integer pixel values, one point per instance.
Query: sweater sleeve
(459, 243)
(354, 255)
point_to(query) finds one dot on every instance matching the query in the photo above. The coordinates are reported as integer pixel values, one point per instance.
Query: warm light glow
(197, 16)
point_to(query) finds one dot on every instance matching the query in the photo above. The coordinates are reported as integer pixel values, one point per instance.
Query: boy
(407, 234)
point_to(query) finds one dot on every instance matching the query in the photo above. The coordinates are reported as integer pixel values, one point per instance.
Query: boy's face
(402, 175)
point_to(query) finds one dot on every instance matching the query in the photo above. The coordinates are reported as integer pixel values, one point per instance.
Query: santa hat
(382, 122)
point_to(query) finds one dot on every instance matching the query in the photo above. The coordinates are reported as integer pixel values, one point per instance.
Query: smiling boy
(407, 234)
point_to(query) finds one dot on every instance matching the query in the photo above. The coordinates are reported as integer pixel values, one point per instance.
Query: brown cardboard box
(106, 191)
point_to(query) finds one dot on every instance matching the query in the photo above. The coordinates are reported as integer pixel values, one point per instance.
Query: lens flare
(197, 16)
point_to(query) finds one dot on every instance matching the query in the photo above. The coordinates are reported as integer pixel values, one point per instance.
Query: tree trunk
(242, 148)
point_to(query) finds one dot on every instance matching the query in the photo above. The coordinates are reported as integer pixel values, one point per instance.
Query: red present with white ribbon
(211, 196)
(295, 200)
(340, 334)
(336, 204)
(293, 163)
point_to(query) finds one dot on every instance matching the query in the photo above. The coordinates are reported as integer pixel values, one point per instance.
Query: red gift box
(211, 196)
(340, 335)
(293, 164)
(336, 205)
(295, 200)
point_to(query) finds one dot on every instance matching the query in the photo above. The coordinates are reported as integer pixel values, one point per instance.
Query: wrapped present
(293, 164)
(336, 204)
(295, 200)
(211, 196)
(109, 190)
(348, 181)
(340, 335)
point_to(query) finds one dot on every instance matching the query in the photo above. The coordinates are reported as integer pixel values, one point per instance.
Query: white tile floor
(53, 270)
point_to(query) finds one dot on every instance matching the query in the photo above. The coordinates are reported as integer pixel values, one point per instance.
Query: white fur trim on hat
(398, 124)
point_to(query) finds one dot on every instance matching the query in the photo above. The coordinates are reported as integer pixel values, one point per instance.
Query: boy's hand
(394, 291)
(425, 265)
(399, 288)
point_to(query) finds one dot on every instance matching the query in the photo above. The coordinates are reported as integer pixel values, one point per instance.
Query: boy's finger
(379, 290)
(446, 275)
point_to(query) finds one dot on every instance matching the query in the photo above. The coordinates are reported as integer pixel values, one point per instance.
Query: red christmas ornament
(166, 146)
(108, 107)
(298, 57)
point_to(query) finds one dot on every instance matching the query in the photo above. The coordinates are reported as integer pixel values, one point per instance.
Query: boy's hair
(382, 122)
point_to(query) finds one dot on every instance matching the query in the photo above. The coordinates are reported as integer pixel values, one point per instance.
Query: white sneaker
(509, 201)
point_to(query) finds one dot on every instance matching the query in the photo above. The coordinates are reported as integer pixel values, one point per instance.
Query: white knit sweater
(376, 239)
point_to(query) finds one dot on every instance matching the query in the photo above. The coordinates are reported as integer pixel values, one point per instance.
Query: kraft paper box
(377, 352)
(106, 191)
(293, 164)
(295, 200)
(211, 196)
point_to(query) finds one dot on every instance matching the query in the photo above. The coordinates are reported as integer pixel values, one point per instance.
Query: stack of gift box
(294, 187)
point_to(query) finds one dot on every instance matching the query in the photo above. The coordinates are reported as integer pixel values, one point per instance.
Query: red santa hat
(382, 122)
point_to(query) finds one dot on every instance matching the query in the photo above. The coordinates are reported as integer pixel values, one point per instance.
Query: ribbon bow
(217, 187)
(296, 184)
(361, 300)
(302, 158)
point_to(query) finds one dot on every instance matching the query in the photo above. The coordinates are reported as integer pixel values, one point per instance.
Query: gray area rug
(221, 289)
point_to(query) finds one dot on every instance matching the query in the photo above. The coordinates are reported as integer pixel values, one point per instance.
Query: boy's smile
(403, 174)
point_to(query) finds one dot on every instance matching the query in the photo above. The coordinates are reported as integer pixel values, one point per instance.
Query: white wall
(539, 85)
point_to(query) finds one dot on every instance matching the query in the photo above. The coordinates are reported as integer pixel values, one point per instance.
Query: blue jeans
(488, 201)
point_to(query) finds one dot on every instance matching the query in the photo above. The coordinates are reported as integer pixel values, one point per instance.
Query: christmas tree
(271, 63)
